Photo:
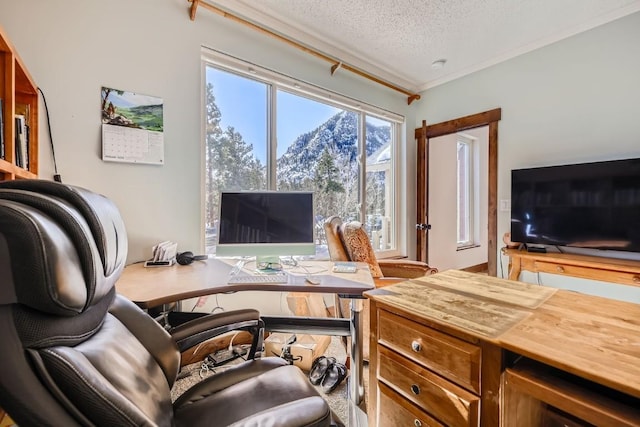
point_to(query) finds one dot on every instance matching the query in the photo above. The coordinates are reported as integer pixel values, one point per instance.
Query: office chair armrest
(405, 268)
(198, 330)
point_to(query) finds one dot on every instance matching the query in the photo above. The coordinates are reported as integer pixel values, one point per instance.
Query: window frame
(277, 81)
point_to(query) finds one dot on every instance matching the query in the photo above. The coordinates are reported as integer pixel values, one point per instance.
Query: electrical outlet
(505, 205)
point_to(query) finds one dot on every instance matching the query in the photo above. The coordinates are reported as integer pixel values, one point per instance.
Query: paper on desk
(165, 251)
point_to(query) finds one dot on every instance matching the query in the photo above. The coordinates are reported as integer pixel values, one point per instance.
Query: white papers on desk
(165, 251)
(132, 145)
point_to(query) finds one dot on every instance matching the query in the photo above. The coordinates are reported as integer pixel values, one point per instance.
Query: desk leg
(356, 384)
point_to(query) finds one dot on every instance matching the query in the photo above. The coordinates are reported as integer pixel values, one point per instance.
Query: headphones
(186, 258)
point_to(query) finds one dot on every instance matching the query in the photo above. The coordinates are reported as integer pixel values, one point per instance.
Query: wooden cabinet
(19, 96)
(425, 374)
(464, 349)
(453, 358)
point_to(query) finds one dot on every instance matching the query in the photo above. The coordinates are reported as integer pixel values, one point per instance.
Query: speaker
(186, 258)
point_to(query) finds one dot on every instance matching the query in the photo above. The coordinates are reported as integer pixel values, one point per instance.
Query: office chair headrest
(61, 247)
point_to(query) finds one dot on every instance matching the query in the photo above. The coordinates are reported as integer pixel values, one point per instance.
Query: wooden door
(488, 118)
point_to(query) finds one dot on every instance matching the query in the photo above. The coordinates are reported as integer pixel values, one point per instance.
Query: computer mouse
(312, 280)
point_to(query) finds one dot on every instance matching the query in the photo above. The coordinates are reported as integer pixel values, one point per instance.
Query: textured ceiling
(397, 40)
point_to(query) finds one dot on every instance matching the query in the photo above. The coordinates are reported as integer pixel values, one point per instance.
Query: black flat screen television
(587, 205)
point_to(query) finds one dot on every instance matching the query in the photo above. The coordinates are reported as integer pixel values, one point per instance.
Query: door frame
(422, 135)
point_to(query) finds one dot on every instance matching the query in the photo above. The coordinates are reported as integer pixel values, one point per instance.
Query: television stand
(537, 249)
(614, 270)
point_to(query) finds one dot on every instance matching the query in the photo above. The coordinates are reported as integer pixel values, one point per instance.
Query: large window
(267, 131)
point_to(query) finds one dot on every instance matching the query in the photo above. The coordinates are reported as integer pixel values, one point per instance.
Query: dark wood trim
(463, 123)
(422, 197)
(492, 213)
(488, 118)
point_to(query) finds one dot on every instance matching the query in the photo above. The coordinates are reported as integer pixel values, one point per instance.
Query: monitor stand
(537, 249)
(268, 264)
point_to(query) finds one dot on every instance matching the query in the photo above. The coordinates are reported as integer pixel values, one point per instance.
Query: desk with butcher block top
(458, 348)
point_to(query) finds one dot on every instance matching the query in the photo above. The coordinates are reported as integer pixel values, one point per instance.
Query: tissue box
(304, 350)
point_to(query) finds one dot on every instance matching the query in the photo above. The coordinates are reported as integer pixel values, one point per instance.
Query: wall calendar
(132, 127)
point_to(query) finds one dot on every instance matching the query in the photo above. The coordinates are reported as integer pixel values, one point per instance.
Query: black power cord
(56, 176)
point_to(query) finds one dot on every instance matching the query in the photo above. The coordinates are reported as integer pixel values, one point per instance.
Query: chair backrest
(337, 251)
(350, 242)
(74, 353)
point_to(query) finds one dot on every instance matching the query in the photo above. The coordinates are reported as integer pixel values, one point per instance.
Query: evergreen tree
(326, 183)
(230, 162)
(213, 133)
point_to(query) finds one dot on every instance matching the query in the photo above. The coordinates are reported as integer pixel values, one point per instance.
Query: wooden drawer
(622, 277)
(395, 410)
(447, 402)
(457, 360)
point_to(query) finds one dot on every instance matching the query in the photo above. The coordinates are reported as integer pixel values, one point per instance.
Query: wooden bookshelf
(18, 93)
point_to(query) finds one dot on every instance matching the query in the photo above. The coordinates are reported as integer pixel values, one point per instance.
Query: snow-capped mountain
(339, 135)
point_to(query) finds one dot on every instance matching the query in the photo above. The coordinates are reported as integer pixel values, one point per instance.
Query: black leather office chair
(76, 353)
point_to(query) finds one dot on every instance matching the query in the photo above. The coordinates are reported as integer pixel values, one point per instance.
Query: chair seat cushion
(261, 392)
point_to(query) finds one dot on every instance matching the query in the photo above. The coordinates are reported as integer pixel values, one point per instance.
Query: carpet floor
(337, 399)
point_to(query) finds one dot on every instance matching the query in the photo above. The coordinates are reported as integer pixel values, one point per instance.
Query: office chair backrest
(74, 353)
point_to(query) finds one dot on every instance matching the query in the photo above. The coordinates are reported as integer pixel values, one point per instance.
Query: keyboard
(258, 278)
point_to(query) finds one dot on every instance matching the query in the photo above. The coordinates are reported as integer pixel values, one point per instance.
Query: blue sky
(243, 105)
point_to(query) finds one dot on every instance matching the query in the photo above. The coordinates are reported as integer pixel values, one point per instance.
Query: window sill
(464, 248)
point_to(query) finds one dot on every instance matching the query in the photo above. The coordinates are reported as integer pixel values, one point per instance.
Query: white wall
(74, 47)
(573, 101)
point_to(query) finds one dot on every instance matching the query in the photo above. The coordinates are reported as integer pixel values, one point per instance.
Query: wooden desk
(625, 272)
(151, 287)
(508, 351)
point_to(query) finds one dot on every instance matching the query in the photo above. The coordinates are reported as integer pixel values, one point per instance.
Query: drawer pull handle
(560, 269)
(415, 389)
(416, 346)
(417, 423)
(636, 279)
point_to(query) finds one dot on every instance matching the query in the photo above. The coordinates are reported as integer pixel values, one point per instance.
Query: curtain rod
(336, 64)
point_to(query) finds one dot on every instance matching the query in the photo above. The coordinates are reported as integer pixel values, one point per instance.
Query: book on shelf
(2, 148)
(24, 110)
(21, 150)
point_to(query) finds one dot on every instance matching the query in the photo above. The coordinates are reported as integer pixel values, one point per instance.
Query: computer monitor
(266, 224)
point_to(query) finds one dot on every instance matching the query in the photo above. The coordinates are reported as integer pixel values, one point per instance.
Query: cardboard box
(304, 350)
(5, 420)
(306, 304)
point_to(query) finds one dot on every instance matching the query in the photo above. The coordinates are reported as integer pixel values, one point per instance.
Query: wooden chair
(350, 242)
